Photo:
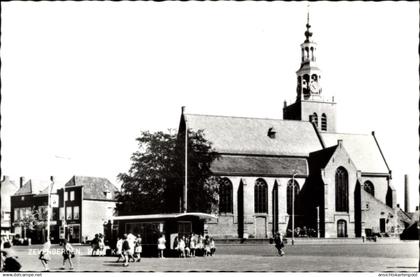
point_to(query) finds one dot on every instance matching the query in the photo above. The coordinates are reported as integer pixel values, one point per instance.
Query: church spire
(308, 33)
(309, 75)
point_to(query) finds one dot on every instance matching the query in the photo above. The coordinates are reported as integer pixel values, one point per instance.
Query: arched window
(369, 188)
(314, 118)
(290, 196)
(260, 196)
(225, 196)
(341, 190)
(324, 122)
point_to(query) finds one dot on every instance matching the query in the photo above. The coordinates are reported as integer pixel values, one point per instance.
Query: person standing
(68, 254)
(212, 247)
(161, 245)
(192, 245)
(44, 255)
(138, 248)
(119, 249)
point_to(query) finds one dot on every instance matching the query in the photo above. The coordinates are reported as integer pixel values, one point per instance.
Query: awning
(163, 216)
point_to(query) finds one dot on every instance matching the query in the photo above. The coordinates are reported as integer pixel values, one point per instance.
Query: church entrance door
(341, 228)
(260, 228)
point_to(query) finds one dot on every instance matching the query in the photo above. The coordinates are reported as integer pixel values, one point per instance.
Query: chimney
(182, 109)
(22, 181)
(340, 143)
(417, 208)
(398, 206)
(285, 104)
(5, 178)
(52, 179)
(406, 194)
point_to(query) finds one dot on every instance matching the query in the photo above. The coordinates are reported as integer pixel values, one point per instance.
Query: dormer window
(108, 194)
(271, 133)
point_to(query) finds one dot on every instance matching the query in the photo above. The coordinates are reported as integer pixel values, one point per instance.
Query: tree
(154, 181)
(34, 219)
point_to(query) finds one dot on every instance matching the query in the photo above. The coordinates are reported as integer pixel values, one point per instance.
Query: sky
(81, 80)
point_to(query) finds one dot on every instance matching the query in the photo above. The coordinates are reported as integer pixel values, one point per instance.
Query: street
(371, 257)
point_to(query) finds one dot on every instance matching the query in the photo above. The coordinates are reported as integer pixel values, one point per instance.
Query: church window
(225, 196)
(290, 195)
(314, 118)
(369, 188)
(341, 190)
(324, 122)
(260, 196)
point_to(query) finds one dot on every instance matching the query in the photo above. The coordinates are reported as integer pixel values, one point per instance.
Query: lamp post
(293, 208)
(50, 186)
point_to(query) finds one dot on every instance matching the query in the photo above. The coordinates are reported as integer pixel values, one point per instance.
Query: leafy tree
(154, 182)
(35, 219)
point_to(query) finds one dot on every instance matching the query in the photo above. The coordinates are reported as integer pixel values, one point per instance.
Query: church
(297, 173)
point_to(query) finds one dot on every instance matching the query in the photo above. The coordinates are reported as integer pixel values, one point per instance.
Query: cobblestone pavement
(398, 257)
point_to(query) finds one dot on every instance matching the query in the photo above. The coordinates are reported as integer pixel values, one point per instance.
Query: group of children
(129, 248)
(68, 254)
(98, 245)
(192, 245)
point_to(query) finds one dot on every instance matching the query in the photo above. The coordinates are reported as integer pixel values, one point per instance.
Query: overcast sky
(80, 80)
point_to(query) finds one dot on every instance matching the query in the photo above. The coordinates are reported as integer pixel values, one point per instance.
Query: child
(181, 246)
(212, 247)
(119, 249)
(192, 245)
(161, 245)
(44, 255)
(68, 254)
(138, 248)
(207, 246)
(126, 250)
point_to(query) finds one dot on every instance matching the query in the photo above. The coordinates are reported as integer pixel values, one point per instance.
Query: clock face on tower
(314, 87)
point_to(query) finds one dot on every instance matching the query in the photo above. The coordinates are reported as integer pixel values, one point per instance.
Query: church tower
(310, 104)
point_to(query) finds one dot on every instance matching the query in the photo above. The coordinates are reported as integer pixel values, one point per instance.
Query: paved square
(369, 257)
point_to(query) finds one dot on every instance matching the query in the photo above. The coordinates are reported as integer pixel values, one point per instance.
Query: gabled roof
(93, 187)
(320, 159)
(259, 166)
(242, 135)
(32, 187)
(362, 149)
(8, 188)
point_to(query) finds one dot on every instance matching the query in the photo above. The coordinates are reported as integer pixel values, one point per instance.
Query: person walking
(161, 245)
(278, 243)
(95, 245)
(126, 250)
(44, 255)
(138, 248)
(68, 254)
(101, 245)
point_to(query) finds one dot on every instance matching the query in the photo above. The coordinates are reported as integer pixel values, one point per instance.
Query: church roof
(259, 166)
(242, 135)
(362, 149)
(321, 158)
